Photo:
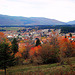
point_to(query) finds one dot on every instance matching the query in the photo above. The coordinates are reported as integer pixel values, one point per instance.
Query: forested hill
(18, 20)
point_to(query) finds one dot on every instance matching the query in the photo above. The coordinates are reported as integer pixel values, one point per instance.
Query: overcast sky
(62, 10)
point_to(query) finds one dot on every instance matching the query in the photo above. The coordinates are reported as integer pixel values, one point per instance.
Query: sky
(62, 10)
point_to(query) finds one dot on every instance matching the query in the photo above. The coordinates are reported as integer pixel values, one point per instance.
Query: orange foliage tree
(34, 50)
(73, 47)
(4, 39)
(44, 54)
(33, 54)
(21, 47)
(2, 36)
(18, 54)
(66, 47)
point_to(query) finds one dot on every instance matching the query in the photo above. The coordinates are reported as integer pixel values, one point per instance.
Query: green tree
(38, 42)
(70, 35)
(6, 56)
(14, 46)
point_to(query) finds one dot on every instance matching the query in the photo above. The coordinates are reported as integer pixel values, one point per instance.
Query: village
(29, 36)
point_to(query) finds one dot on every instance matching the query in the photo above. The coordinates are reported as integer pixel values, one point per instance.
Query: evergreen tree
(14, 46)
(70, 35)
(6, 56)
(65, 36)
(38, 42)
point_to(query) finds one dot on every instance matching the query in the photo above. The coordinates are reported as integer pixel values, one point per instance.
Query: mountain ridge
(19, 20)
(71, 22)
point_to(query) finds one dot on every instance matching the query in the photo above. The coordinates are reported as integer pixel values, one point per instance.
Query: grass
(47, 69)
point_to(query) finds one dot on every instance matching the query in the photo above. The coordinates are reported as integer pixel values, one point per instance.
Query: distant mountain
(18, 20)
(71, 22)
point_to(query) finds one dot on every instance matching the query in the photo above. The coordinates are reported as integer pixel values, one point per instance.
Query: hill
(46, 69)
(71, 22)
(18, 20)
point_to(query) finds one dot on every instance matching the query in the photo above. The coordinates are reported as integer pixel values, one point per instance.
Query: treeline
(52, 26)
(67, 29)
(42, 26)
(2, 30)
(64, 28)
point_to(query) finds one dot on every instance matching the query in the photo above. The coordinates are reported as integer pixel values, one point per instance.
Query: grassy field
(47, 69)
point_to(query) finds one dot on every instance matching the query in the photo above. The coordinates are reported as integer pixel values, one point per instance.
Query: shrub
(48, 54)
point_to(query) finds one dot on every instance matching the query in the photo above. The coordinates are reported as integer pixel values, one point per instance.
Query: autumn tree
(48, 54)
(6, 56)
(25, 53)
(73, 47)
(14, 46)
(66, 47)
(18, 58)
(2, 36)
(33, 53)
(44, 54)
(21, 48)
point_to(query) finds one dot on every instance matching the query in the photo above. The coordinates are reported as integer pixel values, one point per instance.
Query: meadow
(45, 69)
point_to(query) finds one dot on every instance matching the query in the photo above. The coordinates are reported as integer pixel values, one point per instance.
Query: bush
(48, 54)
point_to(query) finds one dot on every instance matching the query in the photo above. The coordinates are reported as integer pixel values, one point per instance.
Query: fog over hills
(18, 20)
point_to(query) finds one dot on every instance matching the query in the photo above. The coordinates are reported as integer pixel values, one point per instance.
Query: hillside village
(31, 36)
